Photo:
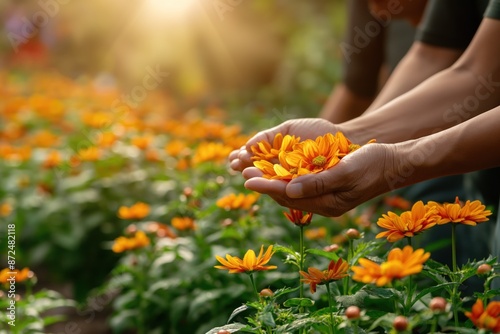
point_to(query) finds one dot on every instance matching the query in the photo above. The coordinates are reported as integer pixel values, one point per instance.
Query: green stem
(350, 256)
(254, 286)
(454, 265)
(330, 306)
(301, 261)
(453, 248)
(434, 325)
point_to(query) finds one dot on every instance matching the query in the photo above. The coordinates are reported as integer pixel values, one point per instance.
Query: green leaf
(232, 328)
(237, 311)
(320, 252)
(267, 319)
(300, 302)
(430, 290)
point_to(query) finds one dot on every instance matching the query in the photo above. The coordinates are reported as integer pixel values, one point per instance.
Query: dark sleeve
(450, 23)
(493, 11)
(363, 50)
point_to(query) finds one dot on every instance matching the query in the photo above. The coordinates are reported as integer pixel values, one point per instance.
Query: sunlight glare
(169, 8)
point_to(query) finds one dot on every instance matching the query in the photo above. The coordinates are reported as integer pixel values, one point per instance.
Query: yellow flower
(5, 209)
(336, 270)
(410, 223)
(137, 211)
(485, 319)
(19, 275)
(469, 213)
(250, 262)
(298, 218)
(139, 240)
(183, 223)
(399, 264)
(240, 201)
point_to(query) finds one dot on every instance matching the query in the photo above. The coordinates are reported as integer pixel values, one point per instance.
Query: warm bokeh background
(213, 50)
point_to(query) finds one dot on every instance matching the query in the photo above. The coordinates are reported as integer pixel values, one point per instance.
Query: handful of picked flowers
(288, 157)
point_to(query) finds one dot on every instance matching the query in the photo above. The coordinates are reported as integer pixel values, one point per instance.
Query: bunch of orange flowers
(424, 216)
(287, 157)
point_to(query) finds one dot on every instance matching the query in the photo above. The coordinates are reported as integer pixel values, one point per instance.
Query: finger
(234, 154)
(251, 172)
(266, 186)
(322, 183)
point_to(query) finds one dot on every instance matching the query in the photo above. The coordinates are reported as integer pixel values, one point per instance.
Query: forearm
(421, 62)
(445, 100)
(469, 146)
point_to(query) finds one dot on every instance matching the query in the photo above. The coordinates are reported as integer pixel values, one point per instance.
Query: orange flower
(298, 218)
(183, 223)
(240, 201)
(316, 155)
(211, 151)
(142, 142)
(5, 209)
(177, 148)
(89, 154)
(96, 119)
(106, 139)
(265, 151)
(399, 264)
(288, 158)
(336, 270)
(152, 155)
(250, 262)
(139, 240)
(315, 233)
(469, 213)
(44, 139)
(161, 230)
(52, 160)
(397, 202)
(137, 211)
(410, 223)
(19, 275)
(485, 319)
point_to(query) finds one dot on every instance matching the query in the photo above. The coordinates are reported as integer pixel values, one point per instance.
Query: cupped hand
(358, 177)
(305, 128)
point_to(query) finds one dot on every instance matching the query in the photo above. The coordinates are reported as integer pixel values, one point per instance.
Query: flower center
(319, 161)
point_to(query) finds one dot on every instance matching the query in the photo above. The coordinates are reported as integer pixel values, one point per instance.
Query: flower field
(136, 210)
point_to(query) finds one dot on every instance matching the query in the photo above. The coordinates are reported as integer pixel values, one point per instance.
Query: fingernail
(294, 190)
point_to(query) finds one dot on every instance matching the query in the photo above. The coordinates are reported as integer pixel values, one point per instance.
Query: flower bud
(400, 323)
(223, 331)
(266, 293)
(483, 269)
(438, 304)
(352, 312)
(353, 234)
(331, 248)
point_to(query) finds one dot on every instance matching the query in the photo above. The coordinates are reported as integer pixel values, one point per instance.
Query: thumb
(313, 185)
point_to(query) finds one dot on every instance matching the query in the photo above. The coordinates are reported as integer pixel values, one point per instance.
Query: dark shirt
(453, 23)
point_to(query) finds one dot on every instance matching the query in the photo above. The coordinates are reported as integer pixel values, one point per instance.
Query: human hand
(305, 128)
(358, 177)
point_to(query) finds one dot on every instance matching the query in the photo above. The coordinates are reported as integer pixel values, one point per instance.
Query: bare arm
(468, 88)
(420, 63)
